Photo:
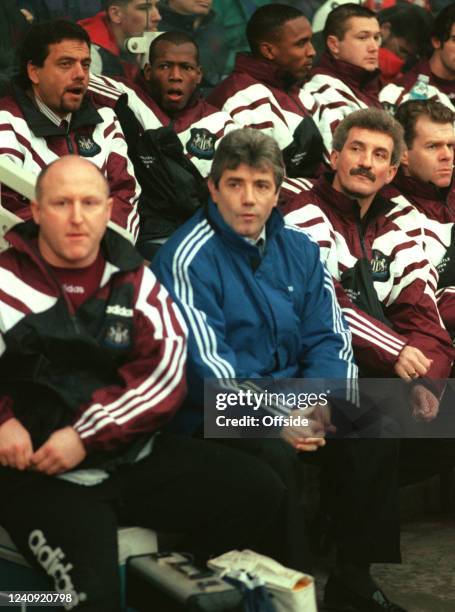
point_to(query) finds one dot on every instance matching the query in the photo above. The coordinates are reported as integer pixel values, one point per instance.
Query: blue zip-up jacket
(253, 316)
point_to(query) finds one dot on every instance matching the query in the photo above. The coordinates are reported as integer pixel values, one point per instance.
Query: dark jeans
(217, 498)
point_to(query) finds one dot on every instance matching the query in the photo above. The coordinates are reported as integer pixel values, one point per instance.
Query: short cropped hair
(409, 112)
(443, 23)
(266, 22)
(337, 20)
(35, 45)
(173, 36)
(39, 192)
(376, 120)
(250, 147)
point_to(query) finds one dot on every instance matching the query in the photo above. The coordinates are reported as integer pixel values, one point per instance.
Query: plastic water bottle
(420, 89)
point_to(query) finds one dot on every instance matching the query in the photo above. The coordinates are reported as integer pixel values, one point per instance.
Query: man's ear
(110, 203)
(213, 190)
(147, 70)
(333, 45)
(32, 73)
(405, 158)
(334, 159)
(34, 207)
(436, 43)
(200, 74)
(267, 50)
(115, 14)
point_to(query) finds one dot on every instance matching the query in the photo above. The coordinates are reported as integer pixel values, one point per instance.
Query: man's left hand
(61, 452)
(424, 404)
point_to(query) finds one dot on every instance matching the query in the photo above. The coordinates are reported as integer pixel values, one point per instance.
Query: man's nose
(446, 152)
(374, 44)
(175, 74)
(365, 161)
(154, 16)
(76, 213)
(248, 195)
(311, 51)
(78, 71)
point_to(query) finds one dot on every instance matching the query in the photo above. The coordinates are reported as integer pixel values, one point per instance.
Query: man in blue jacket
(259, 304)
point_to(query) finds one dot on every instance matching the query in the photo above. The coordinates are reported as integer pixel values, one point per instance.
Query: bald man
(92, 362)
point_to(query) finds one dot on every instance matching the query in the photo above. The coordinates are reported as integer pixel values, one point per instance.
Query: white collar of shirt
(50, 114)
(260, 237)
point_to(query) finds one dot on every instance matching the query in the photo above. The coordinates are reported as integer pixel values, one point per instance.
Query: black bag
(304, 155)
(173, 188)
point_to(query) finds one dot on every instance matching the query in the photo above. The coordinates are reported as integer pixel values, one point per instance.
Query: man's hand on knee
(411, 363)
(15, 445)
(61, 452)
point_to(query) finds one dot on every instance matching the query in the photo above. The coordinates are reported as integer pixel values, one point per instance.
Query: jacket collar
(43, 127)
(193, 109)
(116, 249)
(414, 186)
(365, 83)
(264, 71)
(345, 205)
(274, 224)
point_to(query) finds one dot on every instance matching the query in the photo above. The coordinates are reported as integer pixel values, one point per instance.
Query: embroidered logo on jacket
(202, 143)
(118, 335)
(87, 147)
(380, 266)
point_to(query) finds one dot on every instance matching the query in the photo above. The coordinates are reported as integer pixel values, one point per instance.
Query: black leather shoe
(339, 598)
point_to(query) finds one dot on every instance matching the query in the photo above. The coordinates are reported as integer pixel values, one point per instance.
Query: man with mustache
(389, 305)
(49, 114)
(346, 77)
(384, 284)
(262, 92)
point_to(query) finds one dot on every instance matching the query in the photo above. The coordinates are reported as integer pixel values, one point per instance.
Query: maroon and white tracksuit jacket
(339, 88)
(432, 224)
(257, 95)
(114, 368)
(394, 94)
(30, 140)
(199, 126)
(402, 277)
